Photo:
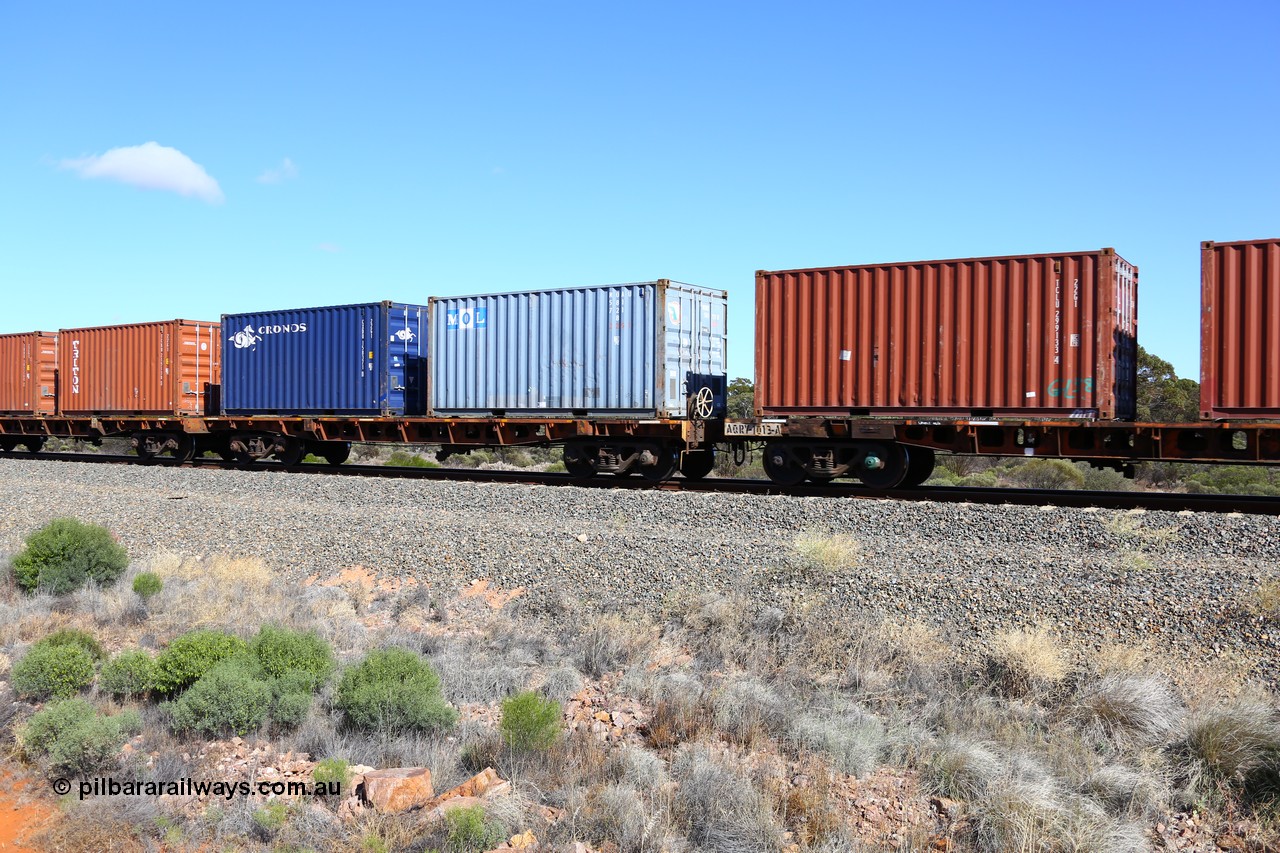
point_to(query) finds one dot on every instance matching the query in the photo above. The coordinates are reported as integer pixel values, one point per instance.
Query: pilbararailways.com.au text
(107, 787)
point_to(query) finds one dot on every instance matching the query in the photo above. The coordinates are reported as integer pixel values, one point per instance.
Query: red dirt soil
(22, 813)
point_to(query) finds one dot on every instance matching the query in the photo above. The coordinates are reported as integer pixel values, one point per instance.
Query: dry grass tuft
(1139, 706)
(854, 742)
(747, 709)
(212, 592)
(1231, 749)
(613, 642)
(962, 768)
(1025, 660)
(1266, 599)
(829, 553)
(719, 808)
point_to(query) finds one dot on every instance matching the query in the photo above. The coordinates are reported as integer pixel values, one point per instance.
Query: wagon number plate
(752, 429)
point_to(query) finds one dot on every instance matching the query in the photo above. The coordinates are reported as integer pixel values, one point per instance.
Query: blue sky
(319, 153)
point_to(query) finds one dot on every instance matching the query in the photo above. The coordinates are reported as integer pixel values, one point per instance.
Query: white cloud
(287, 171)
(150, 166)
(329, 247)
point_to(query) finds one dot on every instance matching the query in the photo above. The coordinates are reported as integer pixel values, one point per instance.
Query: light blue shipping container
(620, 349)
(365, 359)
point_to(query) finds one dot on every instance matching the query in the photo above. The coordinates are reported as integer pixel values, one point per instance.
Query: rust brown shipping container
(1240, 330)
(29, 373)
(1043, 336)
(141, 368)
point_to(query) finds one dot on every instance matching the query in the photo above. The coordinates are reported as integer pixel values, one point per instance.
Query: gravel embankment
(1183, 583)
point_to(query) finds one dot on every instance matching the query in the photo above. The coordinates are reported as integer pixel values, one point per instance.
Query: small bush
(281, 652)
(74, 738)
(530, 722)
(332, 772)
(192, 655)
(75, 637)
(1047, 474)
(129, 674)
(470, 829)
(393, 690)
(147, 584)
(229, 698)
(58, 671)
(65, 554)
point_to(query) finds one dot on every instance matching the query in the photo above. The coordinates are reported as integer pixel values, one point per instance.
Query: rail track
(1169, 501)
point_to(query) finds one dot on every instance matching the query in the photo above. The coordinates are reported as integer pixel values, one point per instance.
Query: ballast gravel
(1183, 584)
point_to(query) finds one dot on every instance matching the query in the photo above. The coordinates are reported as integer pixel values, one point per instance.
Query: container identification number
(752, 429)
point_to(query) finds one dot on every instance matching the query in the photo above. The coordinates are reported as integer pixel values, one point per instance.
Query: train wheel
(7, 445)
(666, 460)
(34, 444)
(580, 460)
(289, 451)
(920, 462)
(185, 450)
(781, 467)
(336, 452)
(884, 466)
(697, 464)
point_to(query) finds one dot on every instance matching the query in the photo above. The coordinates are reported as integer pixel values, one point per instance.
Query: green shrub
(74, 637)
(74, 738)
(410, 460)
(147, 584)
(335, 773)
(130, 673)
(530, 722)
(230, 697)
(58, 671)
(65, 554)
(471, 829)
(282, 652)
(291, 696)
(393, 690)
(191, 655)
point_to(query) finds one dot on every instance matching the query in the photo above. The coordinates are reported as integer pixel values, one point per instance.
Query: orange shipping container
(1240, 329)
(1025, 335)
(29, 373)
(142, 368)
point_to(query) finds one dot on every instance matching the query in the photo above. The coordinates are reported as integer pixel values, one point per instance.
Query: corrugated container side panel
(28, 373)
(343, 359)
(144, 368)
(1240, 329)
(1051, 334)
(594, 349)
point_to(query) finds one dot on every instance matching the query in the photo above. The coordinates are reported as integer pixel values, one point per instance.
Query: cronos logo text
(249, 336)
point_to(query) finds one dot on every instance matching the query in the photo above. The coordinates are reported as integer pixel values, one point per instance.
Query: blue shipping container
(344, 360)
(618, 349)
